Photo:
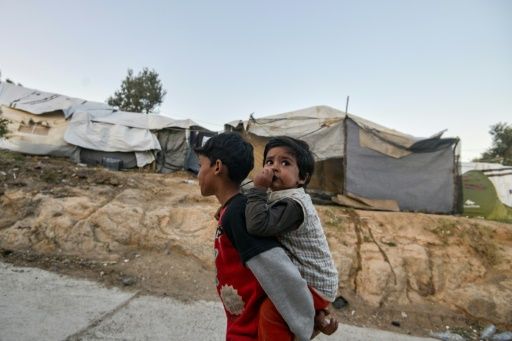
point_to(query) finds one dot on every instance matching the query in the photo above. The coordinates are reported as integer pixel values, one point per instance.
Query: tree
(141, 93)
(501, 150)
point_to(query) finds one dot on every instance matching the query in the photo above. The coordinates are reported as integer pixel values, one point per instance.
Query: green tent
(481, 199)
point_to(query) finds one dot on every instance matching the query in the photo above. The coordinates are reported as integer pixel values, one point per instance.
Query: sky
(417, 66)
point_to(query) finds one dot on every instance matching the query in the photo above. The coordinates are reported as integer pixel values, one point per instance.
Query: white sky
(417, 66)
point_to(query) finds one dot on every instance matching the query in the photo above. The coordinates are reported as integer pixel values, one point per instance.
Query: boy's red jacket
(240, 258)
(237, 287)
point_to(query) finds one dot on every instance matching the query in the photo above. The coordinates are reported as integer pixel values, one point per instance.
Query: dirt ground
(179, 276)
(174, 272)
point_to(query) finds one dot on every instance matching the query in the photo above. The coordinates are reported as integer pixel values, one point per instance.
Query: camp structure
(487, 191)
(361, 164)
(36, 134)
(42, 123)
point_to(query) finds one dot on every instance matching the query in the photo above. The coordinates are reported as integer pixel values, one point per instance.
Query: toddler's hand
(324, 323)
(264, 178)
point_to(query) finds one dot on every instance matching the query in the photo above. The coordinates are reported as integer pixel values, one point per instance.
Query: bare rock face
(99, 222)
(386, 259)
(404, 258)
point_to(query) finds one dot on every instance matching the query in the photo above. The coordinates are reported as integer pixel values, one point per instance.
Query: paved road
(41, 305)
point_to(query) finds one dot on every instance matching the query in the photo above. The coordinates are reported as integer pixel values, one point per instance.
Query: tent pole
(346, 106)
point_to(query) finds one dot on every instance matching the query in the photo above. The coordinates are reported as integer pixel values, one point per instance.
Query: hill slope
(154, 232)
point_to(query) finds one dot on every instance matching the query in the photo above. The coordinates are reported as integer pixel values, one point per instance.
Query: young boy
(289, 214)
(248, 267)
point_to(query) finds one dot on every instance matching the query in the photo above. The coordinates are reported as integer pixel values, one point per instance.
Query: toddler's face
(283, 164)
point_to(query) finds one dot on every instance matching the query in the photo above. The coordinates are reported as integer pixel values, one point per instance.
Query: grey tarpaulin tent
(178, 148)
(360, 163)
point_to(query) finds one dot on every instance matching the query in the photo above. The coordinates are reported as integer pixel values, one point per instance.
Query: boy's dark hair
(233, 151)
(301, 151)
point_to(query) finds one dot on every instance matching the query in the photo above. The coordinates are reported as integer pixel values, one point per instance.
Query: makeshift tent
(53, 124)
(360, 163)
(467, 166)
(39, 102)
(178, 148)
(36, 134)
(487, 191)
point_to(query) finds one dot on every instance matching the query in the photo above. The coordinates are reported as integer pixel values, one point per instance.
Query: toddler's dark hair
(301, 151)
(233, 151)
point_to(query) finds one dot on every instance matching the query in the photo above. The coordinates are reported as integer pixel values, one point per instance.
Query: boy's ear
(218, 167)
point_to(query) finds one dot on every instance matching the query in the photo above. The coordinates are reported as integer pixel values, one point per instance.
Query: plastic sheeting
(372, 163)
(322, 127)
(40, 102)
(36, 134)
(499, 175)
(144, 121)
(174, 152)
(418, 182)
(85, 133)
(60, 124)
(502, 181)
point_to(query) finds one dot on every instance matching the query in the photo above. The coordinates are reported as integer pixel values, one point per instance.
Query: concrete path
(41, 305)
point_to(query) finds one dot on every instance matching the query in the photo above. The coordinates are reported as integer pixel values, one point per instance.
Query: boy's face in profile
(206, 176)
(282, 162)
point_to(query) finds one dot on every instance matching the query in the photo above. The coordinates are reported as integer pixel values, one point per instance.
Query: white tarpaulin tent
(39, 102)
(36, 134)
(320, 127)
(45, 123)
(366, 162)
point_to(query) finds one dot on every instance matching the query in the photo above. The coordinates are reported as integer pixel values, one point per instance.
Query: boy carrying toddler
(288, 213)
(250, 269)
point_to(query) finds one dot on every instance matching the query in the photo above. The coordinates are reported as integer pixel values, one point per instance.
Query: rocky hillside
(407, 261)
